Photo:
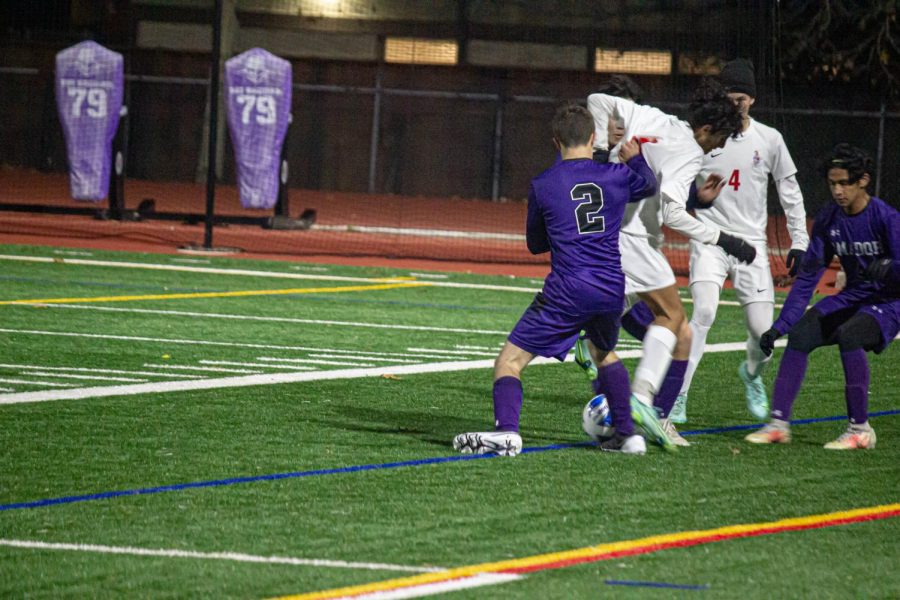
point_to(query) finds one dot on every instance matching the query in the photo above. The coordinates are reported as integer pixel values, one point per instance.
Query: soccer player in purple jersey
(864, 233)
(575, 209)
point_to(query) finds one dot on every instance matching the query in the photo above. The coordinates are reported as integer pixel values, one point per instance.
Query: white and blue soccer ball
(596, 420)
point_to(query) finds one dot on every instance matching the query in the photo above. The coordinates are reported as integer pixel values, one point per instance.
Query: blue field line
(357, 468)
(670, 586)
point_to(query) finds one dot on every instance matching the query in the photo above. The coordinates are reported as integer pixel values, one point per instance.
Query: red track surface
(488, 256)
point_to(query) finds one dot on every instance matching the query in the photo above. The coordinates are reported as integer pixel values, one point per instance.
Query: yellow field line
(644, 545)
(240, 293)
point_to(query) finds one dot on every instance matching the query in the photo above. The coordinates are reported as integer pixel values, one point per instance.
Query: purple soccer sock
(791, 372)
(507, 403)
(670, 387)
(612, 380)
(856, 384)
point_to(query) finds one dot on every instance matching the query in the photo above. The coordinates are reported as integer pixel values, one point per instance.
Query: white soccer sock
(648, 376)
(705, 295)
(759, 319)
(698, 347)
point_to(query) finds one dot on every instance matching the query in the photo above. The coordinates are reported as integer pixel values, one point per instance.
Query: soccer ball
(596, 420)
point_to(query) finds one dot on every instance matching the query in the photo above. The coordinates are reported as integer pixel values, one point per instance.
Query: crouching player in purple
(864, 233)
(575, 209)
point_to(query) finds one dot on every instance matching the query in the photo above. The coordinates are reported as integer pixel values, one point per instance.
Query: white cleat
(857, 437)
(501, 443)
(673, 434)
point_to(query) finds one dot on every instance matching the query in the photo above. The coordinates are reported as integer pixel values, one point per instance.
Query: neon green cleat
(583, 358)
(757, 400)
(645, 417)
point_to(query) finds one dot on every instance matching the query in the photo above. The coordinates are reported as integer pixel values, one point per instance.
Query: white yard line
(87, 377)
(441, 587)
(184, 313)
(164, 367)
(31, 382)
(89, 370)
(463, 352)
(315, 361)
(376, 359)
(230, 556)
(281, 378)
(259, 365)
(275, 274)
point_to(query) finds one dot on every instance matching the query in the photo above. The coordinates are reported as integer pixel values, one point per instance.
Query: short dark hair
(622, 86)
(711, 106)
(856, 161)
(572, 125)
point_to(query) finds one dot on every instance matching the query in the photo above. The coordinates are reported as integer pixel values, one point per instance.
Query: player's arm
(784, 173)
(535, 228)
(641, 180)
(887, 269)
(603, 107)
(702, 196)
(816, 259)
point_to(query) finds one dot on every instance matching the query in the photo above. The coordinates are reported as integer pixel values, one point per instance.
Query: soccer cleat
(673, 434)
(857, 437)
(626, 444)
(678, 414)
(501, 443)
(776, 432)
(583, 358)
(757, 400)
(645, 416)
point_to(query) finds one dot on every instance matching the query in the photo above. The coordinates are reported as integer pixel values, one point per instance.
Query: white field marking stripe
(3, 389)
(464, 352)
(279, 378)
(88, 370)
(93, 377)
(193, 368)
(160, 267)
(149, 339)
(441, 587)
(233, 556)
(246, 364)
(371, 358)
(414, 231)
(184, 313)
(187, 269)
(30, 382)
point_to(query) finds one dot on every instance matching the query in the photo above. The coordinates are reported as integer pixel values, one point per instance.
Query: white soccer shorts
(646, 268)
(753, 282)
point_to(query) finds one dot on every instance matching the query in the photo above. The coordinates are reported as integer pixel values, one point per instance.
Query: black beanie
(737, 76)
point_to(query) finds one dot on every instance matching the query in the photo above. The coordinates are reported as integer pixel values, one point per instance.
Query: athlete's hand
(736, 247)
(629, 150)
(767, 341)
(710, 189)
(793, 260)
(878, 269)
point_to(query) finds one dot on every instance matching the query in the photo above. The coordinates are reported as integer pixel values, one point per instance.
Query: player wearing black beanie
(738, 77)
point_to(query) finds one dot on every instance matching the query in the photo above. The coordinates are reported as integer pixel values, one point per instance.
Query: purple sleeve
(817, 258)
(892, 226)
(535, 229)
(641, 180)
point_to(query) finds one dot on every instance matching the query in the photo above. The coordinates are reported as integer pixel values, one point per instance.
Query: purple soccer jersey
(575, 209)
(258, 94)
(89, 87)
(857, 240)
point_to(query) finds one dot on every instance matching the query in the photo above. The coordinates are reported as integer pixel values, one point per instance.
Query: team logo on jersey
(835, 233)
(646, 139)
(255, 70)
(756, 158)
(85, 63)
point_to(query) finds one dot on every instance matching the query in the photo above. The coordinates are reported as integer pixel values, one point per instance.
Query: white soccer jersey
(668, 145)
(746, 163)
